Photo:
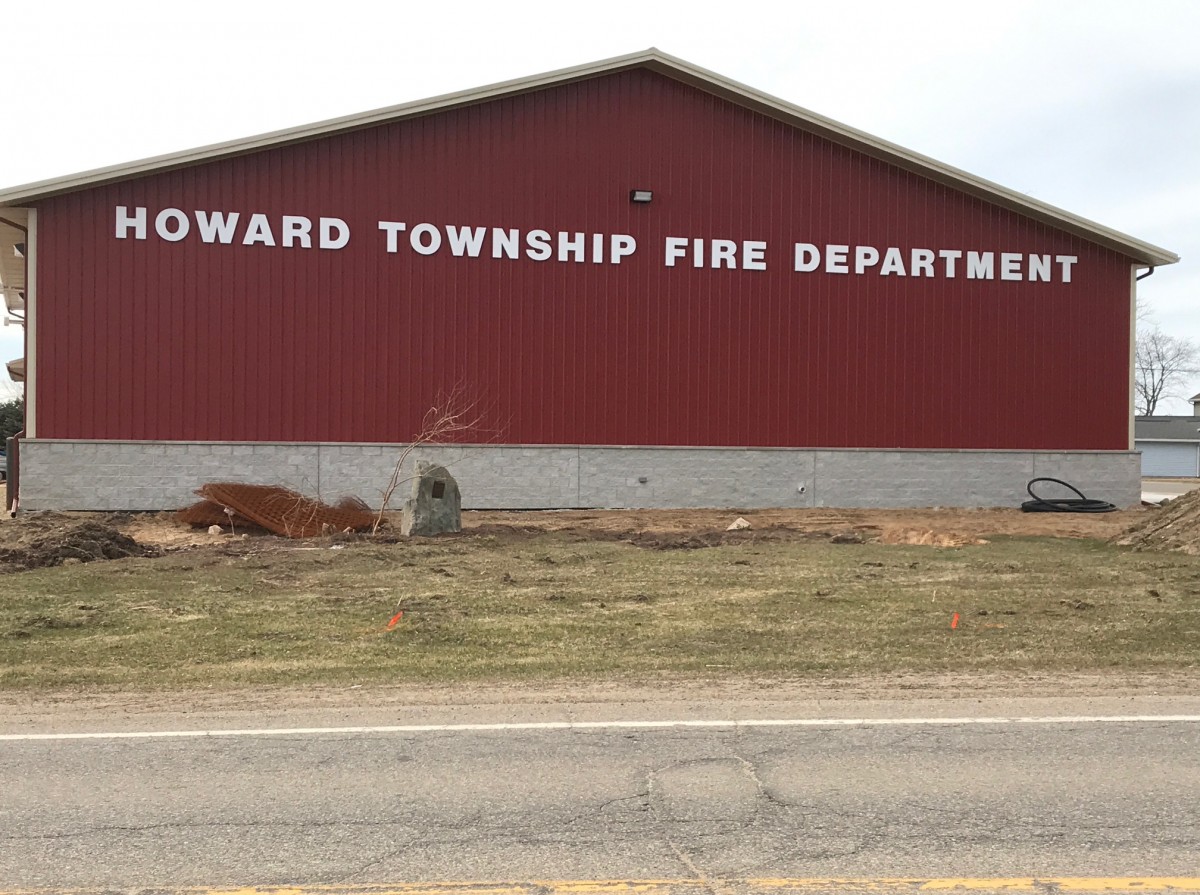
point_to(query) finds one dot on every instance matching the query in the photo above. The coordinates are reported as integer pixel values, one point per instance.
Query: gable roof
(653, 60)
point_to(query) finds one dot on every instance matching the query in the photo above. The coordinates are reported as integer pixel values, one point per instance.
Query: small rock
(738, 524)
(214, 529)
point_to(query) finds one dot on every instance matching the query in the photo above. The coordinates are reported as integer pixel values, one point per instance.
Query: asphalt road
(1081, 798)
(1156, 490)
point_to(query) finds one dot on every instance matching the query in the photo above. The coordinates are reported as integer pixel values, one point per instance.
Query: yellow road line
(781, 886)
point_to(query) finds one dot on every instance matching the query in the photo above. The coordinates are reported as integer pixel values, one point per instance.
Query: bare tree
(1162, 365)
(450, 418)
(1145, 315)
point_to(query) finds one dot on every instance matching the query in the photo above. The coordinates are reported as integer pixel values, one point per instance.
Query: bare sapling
(448, 419)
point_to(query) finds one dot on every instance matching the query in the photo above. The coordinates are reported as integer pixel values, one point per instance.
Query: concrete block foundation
(117, 476)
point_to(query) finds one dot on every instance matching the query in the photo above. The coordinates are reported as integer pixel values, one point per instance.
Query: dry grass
(508, 605)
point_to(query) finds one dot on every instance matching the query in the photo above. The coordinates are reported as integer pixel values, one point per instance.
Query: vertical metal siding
(157, 340)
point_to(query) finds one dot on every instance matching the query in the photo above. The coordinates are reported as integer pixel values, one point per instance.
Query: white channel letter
(258, 230)
(538, 245)
(137, 222)
(808, 257)
(217, 226)
(297, 227)
(330, 226)
(466, 240)
(182, 224)
(422, 246)
(864, 257)
(393, 229)
(981, 265)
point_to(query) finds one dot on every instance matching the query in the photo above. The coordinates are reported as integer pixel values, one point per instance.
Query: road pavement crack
(709, 885)
(681, 855)
(643, 796)
(751, 771)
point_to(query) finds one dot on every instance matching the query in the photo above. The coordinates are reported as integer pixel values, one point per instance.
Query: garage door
(1161, 458)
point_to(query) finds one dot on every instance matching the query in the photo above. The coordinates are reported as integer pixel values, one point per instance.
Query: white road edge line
(603, 725)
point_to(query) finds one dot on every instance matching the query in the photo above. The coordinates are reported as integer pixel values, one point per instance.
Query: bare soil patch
(53, 539)
(894, 526)
(651, 529)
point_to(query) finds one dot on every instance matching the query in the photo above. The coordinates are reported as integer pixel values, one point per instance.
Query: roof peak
(652, 59)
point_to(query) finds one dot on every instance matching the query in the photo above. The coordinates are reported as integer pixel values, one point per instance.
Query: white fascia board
(1146, 254)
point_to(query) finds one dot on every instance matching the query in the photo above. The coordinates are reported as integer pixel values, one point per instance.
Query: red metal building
(790, 283)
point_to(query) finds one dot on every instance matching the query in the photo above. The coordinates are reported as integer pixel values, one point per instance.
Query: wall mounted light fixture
(641, 195)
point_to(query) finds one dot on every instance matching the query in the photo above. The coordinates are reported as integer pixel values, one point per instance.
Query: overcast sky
(1093, 106)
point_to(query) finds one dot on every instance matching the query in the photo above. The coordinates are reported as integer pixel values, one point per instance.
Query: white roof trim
(1143, 252)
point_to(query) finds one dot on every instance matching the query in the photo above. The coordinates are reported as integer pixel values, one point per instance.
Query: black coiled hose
(1078, 504)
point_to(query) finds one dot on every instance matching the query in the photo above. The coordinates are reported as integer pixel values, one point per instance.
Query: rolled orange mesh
(279, 510)
(207, 513)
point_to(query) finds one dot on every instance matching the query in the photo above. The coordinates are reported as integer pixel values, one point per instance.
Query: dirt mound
(1176, 526)
(85, 541)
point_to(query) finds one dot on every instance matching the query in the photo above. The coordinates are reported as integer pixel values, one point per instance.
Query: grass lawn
(553, 606)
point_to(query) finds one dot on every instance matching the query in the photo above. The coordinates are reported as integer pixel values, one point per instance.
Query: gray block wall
(91, 475)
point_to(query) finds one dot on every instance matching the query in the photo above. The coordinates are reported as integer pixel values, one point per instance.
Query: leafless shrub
(452, 416)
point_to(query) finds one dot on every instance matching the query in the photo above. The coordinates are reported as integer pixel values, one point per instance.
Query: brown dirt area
(936, 527)
(40, 539)
(43, 539)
